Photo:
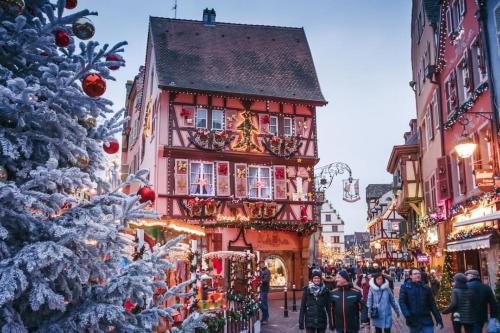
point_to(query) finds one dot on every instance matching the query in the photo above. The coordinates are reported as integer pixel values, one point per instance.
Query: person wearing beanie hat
(462, 305)
(346, 305)
(314, 306)
(418, 304)
(484, 300)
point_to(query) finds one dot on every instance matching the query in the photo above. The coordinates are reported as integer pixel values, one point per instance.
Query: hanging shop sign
(423, 258)
(351, 190)
(485, 180)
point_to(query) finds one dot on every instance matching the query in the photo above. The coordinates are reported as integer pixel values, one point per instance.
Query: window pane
(195, 178)
(287, 126)
(201, 118)
(273, 125)
(217, 119)
(208, 178)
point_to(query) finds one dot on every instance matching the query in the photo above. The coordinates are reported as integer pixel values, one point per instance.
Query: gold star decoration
(299, 160)
(308, 169)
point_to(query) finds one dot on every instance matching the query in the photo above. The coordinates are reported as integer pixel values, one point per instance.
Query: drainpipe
(482, 17)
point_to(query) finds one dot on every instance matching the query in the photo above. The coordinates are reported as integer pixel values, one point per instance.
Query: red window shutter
(240, 180)
(185, 115)
(223, 183)
(181, 174)
(443, 176)
(280, 190)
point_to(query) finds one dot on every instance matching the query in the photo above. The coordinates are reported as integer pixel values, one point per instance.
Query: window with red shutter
(223, 182)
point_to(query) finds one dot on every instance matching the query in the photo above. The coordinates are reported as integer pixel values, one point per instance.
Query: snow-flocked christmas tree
(60, 250)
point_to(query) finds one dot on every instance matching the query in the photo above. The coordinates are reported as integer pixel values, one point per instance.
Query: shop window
(217, 120)
(279, 276)
(201, 118)
(259, 182)
(201, 178)
(273, 125)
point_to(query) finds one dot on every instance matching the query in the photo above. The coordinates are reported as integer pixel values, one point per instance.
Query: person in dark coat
(484, 298)
(329, 281)
(346, 304)
(417, 304)
(462, 305)
(435, 284)
(265, 276)
(363, 284)
(314, 307)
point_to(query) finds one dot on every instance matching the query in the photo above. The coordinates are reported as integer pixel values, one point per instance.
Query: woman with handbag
(462, 305)
(380, 304)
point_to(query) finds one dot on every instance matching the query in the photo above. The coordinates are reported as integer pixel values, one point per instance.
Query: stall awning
(475, 243)
(485, 218)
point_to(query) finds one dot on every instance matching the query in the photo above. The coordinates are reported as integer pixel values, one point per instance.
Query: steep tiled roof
(375, 191)
(235, 59)
(431, 8)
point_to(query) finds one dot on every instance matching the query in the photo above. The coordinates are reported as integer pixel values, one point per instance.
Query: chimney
(209, 17)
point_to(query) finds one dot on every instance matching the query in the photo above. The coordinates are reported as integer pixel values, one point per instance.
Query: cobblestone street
(279, 324)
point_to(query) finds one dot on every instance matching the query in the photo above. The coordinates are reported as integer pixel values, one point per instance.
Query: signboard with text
(484, 179)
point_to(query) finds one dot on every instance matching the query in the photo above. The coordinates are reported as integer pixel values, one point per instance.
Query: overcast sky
(361, 49)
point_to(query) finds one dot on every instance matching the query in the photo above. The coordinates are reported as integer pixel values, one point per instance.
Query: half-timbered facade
(223, 115)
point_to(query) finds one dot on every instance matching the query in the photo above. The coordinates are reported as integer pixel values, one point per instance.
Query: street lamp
(465, 148)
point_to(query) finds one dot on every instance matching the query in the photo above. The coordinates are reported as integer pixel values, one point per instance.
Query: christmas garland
(300, 228)
(430, 221)
(231, 255)
(250, 306)
(210, 140)
(285, 147)
(485, 198)
(466, 234)
(466, 106)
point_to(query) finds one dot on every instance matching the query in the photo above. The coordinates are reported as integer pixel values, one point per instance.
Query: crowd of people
(345, 300)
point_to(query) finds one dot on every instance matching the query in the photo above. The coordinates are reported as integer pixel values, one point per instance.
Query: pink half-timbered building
(224, 117)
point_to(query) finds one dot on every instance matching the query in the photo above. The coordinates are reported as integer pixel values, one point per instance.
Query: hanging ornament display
(94, 85)
(3, 174)
(71, 4)
(114, 57)
(62, 38)
(146, 194)
(111, 147)
(83, 28)
(12, 7)
(247, 134)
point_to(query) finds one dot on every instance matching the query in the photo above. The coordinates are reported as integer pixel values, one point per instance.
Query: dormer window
(217, 120)
(287, 126)
(201, 118)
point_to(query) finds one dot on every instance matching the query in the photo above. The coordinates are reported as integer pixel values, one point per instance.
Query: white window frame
(201, 175)
(449, 21)
(463, 67)
(328, 217)
(429, 126)
(447, 93)
(198, 111)
(435, 111)
(260, 178)
(285, 133)
(475, 51)
(221, 112)
(273, 128)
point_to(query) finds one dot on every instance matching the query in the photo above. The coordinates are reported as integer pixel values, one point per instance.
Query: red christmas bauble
(62, 38)
(113, 57)
(146, 194)
(70, 4)
(94, 85)
(112, 146)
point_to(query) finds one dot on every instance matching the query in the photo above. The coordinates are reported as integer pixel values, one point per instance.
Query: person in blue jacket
(417, 304)
(380, 296)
